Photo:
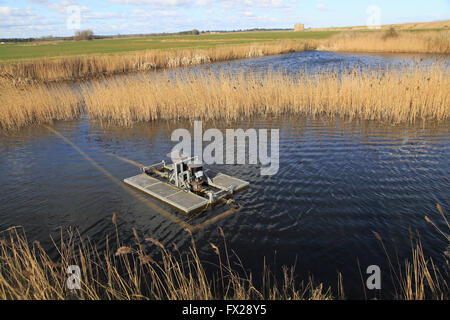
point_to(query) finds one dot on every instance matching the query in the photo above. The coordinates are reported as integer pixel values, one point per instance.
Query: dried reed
(129, 272)
(405, 95)
(27, 272)
(34, 104)
(389, 41)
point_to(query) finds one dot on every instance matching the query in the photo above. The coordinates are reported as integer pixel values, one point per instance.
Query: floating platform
(185, 185)
(186, 202)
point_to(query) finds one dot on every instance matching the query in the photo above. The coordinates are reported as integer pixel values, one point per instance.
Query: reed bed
(406, 95)
(389, 41)
(22, 106)
(401, 95)
(128, 272)
(87, 67)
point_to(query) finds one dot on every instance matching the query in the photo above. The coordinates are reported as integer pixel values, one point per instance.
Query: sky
(37, 18)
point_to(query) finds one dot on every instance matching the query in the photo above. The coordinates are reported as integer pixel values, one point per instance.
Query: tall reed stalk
(128, 272)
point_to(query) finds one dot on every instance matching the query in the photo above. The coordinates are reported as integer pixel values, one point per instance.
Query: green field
(19, 51)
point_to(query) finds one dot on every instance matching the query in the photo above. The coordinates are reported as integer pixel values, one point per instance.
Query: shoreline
(96, 66)
(133, 72)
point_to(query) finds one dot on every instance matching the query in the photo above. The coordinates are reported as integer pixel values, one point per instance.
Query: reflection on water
(338, 182)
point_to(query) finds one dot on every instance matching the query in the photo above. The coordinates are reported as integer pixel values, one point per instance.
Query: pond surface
(338, 181)
(314, 61)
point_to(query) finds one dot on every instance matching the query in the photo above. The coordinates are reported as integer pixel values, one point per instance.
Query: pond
(338, 181)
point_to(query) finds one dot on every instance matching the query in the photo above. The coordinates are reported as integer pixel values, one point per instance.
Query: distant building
(299, 27)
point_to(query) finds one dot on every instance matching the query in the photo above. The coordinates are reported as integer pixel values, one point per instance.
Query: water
(314, 61)
(338, 181)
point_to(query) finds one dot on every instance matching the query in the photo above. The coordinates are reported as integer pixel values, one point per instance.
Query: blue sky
(35, 18)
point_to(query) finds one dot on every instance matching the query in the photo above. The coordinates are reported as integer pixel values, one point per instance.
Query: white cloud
(62, 6)
(100, 15)
(58, 6)
(5, 11)
(203, 3)
(47, 17)
(154, 2)
(251, 3)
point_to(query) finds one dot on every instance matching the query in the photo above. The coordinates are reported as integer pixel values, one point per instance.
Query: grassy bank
(405, 95)
(58, 49)
(91, 59)
(128, 271)
(92, 66)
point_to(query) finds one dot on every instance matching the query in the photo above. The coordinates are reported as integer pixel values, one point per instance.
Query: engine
(197, 176)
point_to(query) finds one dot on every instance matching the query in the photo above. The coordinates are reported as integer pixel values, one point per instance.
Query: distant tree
(390, 33)
(194, 32)
(84, 35)
(46, 38)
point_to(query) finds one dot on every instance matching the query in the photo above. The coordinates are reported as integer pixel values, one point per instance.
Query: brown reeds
(129, 272)
(87, 67)
(389, 41)
(405, 95)
(400, 95)
(34, 104)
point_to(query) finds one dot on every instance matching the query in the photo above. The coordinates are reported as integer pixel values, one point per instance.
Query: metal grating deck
(225, 181)
(181, 200)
